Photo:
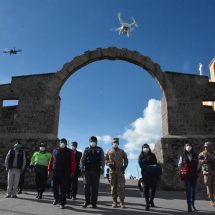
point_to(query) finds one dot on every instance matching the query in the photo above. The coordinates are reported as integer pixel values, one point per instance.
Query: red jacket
(189, 169)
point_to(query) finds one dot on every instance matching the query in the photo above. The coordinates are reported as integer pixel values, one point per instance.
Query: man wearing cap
(39, 161)
(92, 165)
(62, 166)
(73, 184)
(207, 161)
(15, 163)
(117, 161)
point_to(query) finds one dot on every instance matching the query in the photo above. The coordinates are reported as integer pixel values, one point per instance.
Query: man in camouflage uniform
(207, 161)
(117, 161)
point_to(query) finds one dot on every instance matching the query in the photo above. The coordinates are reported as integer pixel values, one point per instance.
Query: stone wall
(36, 116)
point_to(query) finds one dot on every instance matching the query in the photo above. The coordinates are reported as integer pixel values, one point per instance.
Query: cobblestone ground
(167, 202)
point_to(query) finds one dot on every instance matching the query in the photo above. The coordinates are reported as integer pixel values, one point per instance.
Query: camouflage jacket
(207, 162)
(116, 159)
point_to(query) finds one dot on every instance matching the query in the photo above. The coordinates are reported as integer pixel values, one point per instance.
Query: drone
(12, 51)
(126, 28)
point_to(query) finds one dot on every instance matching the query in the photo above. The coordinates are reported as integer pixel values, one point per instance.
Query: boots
(114, 204)
(152, 203)
(122, 203)
(189, 208)
(147, 208)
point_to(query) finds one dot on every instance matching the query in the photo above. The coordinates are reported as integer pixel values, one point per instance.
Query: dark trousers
(190, 186)
(91, 186)
(60, 182)
(41, 173)
(73, 186)
(21, 181)
(149, 196)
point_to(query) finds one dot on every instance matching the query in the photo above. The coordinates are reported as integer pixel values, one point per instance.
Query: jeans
(190, 186)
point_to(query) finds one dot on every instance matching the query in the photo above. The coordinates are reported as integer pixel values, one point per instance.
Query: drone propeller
(134, 22)
(120, 18)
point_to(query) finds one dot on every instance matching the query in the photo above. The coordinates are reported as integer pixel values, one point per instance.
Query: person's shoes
(55, 202)
(122, 205)
(40, 196)
(189, 208)
(19, 192)
(14, 196)
(147, 208)
(62, 206)
(68, 196)
(152, 203)
(85, 205)
(74, 198)
(194, 208)
(7, 196)
(114, 205)
(94, 206)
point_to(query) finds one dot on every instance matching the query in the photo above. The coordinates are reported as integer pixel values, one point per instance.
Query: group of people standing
(66, 165)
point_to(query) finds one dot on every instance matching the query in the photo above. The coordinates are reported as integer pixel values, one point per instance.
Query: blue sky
(107, 98)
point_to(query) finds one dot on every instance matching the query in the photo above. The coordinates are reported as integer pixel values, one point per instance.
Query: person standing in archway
(189, 165)
(92, 166)
(117, 161)
(207, 161)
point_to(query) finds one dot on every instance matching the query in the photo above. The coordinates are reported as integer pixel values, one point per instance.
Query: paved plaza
(167, 202)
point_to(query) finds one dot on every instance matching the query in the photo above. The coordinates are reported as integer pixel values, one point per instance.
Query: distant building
(212, 79)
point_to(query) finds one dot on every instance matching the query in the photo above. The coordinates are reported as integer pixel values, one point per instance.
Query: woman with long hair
(146, 159)
(189, 165)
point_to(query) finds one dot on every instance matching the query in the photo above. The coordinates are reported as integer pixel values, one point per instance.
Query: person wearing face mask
(62, 166)
(39, 162)
(73, 183)
(117, 161)
(189, 165)
(15, 163)
(147, 159)
(207, 162)
(92, 165)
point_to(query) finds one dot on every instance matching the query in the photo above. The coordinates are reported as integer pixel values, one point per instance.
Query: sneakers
(74, 198)
(14, 196)
(7, 196)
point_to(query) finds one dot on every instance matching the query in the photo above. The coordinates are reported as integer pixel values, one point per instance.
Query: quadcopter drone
(12, 51)
(126, 28)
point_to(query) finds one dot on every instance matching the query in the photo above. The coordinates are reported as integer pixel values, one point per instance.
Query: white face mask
(93, 144)
(115, 145)
(42, 148)
(188, 148)
(62, 145)
(73, 148)
(145, 150)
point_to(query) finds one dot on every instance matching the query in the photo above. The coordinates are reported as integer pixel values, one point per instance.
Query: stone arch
(111, 53)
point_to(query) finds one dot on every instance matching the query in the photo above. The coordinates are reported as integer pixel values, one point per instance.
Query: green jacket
(40, 158)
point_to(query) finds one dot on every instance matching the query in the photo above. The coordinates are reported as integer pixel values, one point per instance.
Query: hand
(7, 169)
(123, 169)
(112, 166)
(82, 173)
(49, 174)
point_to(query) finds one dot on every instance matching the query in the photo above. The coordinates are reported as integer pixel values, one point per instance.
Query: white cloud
(146, 129)
(105, 139)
